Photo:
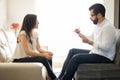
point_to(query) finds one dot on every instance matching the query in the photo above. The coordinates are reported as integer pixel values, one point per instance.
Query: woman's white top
(19, 51)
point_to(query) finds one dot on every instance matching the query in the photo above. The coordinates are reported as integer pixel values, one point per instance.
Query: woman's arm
(24, 43)
(45, 53)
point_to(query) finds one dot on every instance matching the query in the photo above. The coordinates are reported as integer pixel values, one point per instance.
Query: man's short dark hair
(98, 8)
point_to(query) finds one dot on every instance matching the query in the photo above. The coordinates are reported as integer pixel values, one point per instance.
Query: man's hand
(77, 31)
(86, 40)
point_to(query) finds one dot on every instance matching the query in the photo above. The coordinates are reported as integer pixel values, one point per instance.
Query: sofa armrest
(22, 71)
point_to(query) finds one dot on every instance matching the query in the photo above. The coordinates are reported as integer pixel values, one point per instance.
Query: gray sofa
(101, 71)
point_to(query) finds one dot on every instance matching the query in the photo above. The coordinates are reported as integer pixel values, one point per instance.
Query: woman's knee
(40, 59)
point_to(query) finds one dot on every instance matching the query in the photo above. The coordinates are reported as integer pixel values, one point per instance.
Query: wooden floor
(58, 61)
(57, 64)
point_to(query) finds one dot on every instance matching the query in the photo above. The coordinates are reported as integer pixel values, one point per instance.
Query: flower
(15, 26)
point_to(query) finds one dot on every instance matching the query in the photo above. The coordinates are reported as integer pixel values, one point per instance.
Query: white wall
(58, 19)
(3, 13)
(17, 9)
(109, 5)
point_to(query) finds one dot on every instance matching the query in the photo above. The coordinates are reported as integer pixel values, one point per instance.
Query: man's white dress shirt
(104, 38)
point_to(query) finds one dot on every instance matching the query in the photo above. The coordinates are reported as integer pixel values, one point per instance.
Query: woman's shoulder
(22, 32)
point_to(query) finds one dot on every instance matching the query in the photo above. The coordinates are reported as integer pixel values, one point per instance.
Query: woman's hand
(48, 55)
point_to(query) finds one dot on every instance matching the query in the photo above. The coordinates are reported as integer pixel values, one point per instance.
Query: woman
(28, 48)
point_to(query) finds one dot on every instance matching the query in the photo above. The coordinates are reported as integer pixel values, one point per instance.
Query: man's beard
(95, 21)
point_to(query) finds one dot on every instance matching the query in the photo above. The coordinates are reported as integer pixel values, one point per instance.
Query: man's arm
(83, 37)
(107, 39)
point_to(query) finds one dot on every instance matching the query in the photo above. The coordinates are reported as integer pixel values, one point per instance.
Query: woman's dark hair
(98, 8)
(29, 23)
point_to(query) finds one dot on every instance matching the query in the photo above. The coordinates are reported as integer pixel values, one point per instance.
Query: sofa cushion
(5, 52)
(5, 55)
(11, 39)
(98, 71)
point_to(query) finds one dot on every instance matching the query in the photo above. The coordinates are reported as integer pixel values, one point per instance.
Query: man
(102, 40)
